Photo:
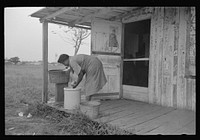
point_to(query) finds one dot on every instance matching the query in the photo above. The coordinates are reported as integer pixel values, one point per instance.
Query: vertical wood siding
(181, 82)
(191, 60)
(175, 56)
(172, 56)
(156, 49)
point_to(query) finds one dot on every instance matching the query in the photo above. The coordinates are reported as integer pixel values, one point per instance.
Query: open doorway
(136, 54)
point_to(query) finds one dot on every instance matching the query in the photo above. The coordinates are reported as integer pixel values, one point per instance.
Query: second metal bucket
(90, 109)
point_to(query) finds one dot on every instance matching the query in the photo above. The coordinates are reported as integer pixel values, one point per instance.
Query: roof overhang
(81, 16)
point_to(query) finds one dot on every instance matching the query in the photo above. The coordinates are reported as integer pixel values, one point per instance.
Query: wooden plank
(194, 95)
(135, 96)
(137, 59)
(189, 129)
(109, 112)
(159, 59)
(175, 64)
(87, 17)
(45, 61)
(191, 42)
(113, 104)
(156, 46)
(190, 61)
(135, 93)
(62, 10)
(122, 62)
(151, 59)
(138, 14)
(140, 123)
(158, 31)
(125, 111)
(168, 47)
(191, 94)
(105, 53)
(135, 88)
(128, 12)
(106, 96)
(127, 119)
(181, 81)
(109, 102)
(66, 24)
(171, 122)
(123, 107)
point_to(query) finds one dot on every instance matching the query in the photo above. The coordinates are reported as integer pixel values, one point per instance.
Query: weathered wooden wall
(108, 55)
(172, 57)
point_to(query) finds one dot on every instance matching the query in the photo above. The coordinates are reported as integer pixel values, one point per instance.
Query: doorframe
(131, 20)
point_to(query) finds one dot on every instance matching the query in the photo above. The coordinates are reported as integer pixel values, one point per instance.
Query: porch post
(121, 64)
(45, 61)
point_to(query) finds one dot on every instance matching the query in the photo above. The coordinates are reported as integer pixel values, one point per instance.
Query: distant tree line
(16, 60)
(13, 60)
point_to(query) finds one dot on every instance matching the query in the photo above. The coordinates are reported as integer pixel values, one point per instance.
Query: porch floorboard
(143, 118)
(147, 119)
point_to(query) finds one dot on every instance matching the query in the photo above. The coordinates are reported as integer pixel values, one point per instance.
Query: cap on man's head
(62, 58)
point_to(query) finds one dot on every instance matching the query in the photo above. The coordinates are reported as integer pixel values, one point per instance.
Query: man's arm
(80, 77)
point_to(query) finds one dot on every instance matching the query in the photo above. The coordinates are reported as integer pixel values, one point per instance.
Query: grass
(23, 88)
(73, 124)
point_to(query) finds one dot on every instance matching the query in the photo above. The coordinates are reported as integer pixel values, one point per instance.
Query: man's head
(64, 59)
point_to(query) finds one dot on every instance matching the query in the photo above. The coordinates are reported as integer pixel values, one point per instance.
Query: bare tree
(74, 36)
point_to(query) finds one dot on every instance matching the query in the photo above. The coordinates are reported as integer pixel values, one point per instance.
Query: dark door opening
(136, 53)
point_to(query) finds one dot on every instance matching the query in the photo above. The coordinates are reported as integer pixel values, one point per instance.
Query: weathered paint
(175, 63)
(172, 55)
(190, 62)
(181, 81)
(103, 49)
(156, 49)
(168, 45)
(141, 14)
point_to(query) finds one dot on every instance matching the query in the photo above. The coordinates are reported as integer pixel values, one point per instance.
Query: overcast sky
(23, 36)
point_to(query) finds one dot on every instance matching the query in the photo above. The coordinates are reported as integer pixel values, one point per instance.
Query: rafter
(66, 24)
(85, 18)
(62, 10)
(119, 17)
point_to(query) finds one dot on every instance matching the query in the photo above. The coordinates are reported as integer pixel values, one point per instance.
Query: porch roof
(81, 16)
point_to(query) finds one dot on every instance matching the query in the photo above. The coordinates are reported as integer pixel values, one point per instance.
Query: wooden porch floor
(147, 119)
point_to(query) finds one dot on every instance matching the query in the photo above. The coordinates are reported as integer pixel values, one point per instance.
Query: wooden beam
(45, 62)
(62, 10)
(122, 63)
(87, 17)
(105, 53)
(66, 24)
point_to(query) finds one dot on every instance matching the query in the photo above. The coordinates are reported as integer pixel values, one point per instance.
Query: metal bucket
(72, 98)
(90, 109)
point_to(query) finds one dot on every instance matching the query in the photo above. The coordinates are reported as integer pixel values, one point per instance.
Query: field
(23, 85)
(23, 89)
